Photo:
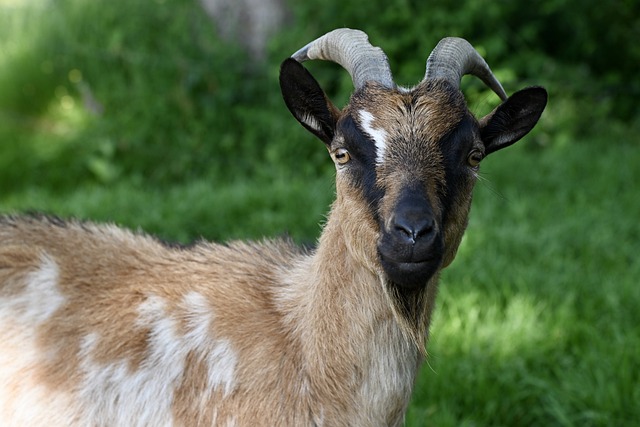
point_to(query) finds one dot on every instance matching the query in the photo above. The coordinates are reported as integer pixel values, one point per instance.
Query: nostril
(414, 229)
(425, 227)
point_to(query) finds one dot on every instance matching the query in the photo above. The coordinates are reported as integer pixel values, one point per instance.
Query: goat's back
(99, 323)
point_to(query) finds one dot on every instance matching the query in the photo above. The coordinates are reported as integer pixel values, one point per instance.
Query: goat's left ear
(307, 101)
(512, 119)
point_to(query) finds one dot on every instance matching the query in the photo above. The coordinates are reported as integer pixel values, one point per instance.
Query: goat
(100, 326)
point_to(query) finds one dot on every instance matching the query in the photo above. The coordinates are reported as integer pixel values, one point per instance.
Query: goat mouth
(410, 275)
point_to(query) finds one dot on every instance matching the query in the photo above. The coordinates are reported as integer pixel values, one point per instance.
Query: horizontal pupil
(341, 154)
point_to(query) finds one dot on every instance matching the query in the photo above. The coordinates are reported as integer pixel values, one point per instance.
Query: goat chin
(410, 276)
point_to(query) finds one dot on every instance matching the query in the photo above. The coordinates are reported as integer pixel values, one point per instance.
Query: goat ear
(307, 101)
(512, 119)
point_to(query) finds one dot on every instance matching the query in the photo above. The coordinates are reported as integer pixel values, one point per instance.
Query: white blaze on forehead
(379, 136)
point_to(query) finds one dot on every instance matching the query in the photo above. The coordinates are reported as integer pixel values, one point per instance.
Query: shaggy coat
(101, 326)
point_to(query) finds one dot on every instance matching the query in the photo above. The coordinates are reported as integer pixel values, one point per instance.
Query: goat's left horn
(454, 57)
(351, 49)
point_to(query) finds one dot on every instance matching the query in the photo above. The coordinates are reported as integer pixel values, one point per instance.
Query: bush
(171, 101)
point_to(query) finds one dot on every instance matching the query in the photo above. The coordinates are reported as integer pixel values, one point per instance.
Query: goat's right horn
(351, 49)
(454, 57)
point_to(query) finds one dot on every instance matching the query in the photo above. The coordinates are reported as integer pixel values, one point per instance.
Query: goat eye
(474, 158)
(342, 156)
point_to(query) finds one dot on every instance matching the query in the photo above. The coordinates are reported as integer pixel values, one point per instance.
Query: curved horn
(454, 57)
(351, 49)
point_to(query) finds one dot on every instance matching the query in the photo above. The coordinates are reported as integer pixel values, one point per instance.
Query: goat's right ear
(307, 101)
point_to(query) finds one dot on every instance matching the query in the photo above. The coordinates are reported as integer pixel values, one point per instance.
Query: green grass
(537, 319)
(197, 209)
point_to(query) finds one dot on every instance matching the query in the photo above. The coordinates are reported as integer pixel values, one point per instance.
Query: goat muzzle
(411, 246)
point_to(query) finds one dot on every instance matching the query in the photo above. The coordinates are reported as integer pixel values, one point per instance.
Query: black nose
(413, 225)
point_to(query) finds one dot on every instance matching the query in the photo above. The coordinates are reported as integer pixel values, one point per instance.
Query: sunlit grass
(500, 329)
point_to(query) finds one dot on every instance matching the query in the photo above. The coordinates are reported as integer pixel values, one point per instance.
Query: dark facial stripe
(455, 146)
(362, 168)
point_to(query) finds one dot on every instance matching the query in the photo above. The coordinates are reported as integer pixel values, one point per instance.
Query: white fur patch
(220, 357)
(115, 395)
(118, 395)
(379, 136)
(41, 297)
(310, 121)
(24, 400)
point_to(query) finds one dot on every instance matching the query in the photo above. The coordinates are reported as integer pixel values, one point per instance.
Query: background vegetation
(136, 112)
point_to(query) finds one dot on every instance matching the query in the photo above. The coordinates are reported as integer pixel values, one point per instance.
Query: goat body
(100, 326)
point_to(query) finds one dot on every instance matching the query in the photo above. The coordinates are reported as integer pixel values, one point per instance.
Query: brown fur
(271, 300)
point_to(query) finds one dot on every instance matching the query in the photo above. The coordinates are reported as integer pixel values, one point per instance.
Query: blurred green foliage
(148, 91)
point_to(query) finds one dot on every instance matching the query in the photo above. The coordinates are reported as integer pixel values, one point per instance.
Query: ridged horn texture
(352, 50)
(454, 57)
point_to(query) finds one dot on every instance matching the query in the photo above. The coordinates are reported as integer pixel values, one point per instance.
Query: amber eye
(474, 158)
(342, 156)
